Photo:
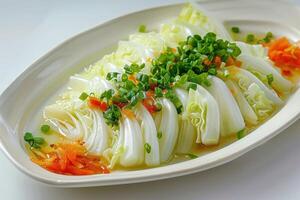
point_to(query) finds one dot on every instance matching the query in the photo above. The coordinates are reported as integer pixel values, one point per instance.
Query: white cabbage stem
(133, 144)
(246, 109)
(149, 132)
(203, 112)
(187, 132)
(231, 118)
(168, 128)
(263, 66)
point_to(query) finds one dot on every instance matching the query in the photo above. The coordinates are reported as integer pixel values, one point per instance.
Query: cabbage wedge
(203, 112)
(133, 153)
(245, 108)
(262, 99)
(263, 67)
(231, 117)
(187, 132)
(168, 129)
(149, 132)
(195, 15)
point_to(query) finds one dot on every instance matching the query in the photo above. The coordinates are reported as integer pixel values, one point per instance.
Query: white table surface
(28, 29)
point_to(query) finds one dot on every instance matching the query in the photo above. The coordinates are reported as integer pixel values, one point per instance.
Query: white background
(28, 29)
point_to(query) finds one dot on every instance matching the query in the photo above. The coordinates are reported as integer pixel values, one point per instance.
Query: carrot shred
(285, 55)
(71, 159)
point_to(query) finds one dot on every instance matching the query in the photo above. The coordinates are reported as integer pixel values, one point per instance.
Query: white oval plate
(22, 100)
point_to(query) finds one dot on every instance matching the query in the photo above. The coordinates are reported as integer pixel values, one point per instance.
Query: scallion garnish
(159, 134)
(45, 128)
(250, 38)
(235, 29)
(142, 28)
(192, 156)
(270, 78)
(33, 141)
(147, 147)
(240, 134)
(112, 115)
(83, 96)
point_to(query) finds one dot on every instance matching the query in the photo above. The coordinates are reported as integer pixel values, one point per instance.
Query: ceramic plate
(23, 99)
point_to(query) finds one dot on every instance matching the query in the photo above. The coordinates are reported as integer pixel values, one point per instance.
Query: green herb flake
(33, 141)
(158, 92)
(268, 37)
(235, 29)
(45, 128)
(142, 28)
(112, 115)
(147, 147)
(159, 134)
(270, 78)
(240, 134)
(250, 38)
(83, 96)
(107, 94)
(192, 156)
(192, 86)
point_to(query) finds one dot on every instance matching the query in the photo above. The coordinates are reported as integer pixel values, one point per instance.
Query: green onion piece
(192, 86)
(175, 100)
(158, 92)
(159, 134)
(142, 28)
(181, 81)
(107, 94)
(270, 78)
(112, 115)
(212, 71)
(83, 96)
(45, 128)
(147, 147)
(240, 134)
(34, 142)
(235, 29)
(192, 156)
(250, 38)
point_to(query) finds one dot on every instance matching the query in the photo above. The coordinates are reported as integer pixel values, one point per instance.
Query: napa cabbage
(262, 99)
(231, 118)
(149, 132)
(151, 40)
(187, 132)
(195, 15)
(203, 112)
(261, 68)
(245, 108)
(168, 128)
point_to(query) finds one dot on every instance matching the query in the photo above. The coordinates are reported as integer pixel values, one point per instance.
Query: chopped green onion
(270, 78)
(268, 37)
(34, 142)
(192, 86)
(192, 156)
(250, 38)
(235, 29)
(159, 134)
(83, 96)
(147, 147)
(158, 92)
(133, 68)
(142, 28)
(112, 115)
(175, 100)
(240, 134)
(107, 94)
(212, 71)
(45, 128)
